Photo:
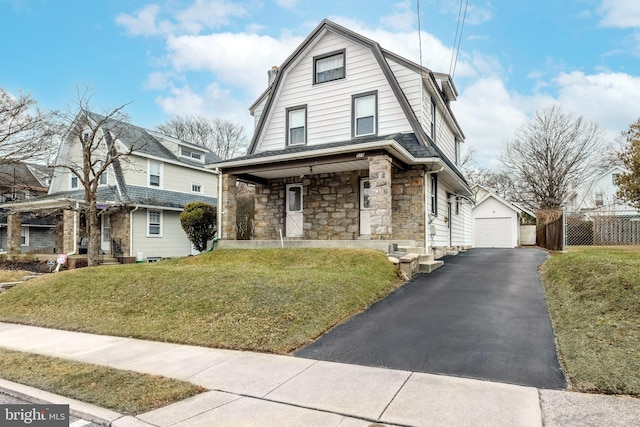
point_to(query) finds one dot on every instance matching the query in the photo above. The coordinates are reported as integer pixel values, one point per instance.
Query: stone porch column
(229, 207)
(380, 197)
(14, 229)
(68, 235)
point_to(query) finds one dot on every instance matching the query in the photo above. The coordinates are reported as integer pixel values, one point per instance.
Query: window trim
(288, 111)
(354, 99)
(191, 152)
(193, 184)
(434, 194)
(73, 178)
(149, 223)
(598, 199)
(26, 236)
(434, 116)
(160, 173)
(342, 52)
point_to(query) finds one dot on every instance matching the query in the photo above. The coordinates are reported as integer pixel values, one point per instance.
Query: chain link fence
(602, 228)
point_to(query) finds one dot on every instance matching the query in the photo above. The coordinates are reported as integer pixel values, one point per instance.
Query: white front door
(365, 207)
(105, 241)
(294, 218)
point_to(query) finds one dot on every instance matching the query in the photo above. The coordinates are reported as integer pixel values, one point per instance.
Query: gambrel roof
(412, 147)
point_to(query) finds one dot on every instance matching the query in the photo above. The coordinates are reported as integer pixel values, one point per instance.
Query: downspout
(131, 230)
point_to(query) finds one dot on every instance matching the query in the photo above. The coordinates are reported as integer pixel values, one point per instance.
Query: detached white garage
(496, 223)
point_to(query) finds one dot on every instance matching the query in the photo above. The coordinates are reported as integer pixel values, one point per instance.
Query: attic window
(185, 152)
(615, 177)
(328, 67)
(85, 136)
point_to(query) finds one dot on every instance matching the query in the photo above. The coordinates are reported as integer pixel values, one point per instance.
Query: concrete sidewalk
(252, 389)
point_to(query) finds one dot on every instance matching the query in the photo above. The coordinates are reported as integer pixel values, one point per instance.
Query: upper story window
(433, 119)
(196, 188)
(155, 173)
(185, 152)
(103, 176)
(456, 148)
(329, 67)
(297, 125)
(614, 178)
(599, 199)
(73, 184)
(365, 112)
(86, 135)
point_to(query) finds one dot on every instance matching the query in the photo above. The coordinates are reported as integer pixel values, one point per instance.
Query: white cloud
(402, 18)
(238, 59)
(489, 115)
(287, 4)
(609, 99)
(203, 14)
(620, 13)
(144, 22)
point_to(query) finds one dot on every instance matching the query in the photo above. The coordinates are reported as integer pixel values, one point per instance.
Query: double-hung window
(73, 184)
(365, 112)
(434, 194)
(103, 176)
(155, 173)
(24, 236)
(297, 125)
(433, 120)
(154, 222)
(329, 67)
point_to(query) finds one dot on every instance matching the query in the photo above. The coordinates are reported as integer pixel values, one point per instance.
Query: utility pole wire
(458, 38)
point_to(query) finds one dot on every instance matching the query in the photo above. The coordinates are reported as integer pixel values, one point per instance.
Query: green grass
(125, 392)
(272, 300)
(594, 301)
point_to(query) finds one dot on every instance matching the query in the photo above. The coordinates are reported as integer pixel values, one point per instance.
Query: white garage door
(493, 233)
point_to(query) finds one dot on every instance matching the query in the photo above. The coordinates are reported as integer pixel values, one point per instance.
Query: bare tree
(91, 139)
(550, 155)
(26, 132)
(629, 183)
(225, 138)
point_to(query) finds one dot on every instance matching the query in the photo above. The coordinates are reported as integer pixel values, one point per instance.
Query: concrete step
(411, 249)
(429, 266)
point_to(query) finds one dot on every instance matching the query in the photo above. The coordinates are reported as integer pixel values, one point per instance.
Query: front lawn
(594, 300)
(272, 300)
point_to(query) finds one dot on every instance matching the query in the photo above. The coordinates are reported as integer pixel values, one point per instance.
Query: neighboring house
(24, 181)
(140, 197)
(598, 194)
(355, 144)
(496, 222)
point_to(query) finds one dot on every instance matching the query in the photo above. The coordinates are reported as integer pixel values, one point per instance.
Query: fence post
(564, 230)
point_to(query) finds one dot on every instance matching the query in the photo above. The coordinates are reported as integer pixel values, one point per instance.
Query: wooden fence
(549, 229)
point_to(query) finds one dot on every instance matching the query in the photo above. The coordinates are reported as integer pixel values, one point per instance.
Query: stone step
(429, 266)
(411, 249)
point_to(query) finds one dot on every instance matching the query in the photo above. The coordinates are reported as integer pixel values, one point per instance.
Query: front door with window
(105, 239)
(365, 207)
(294, 217)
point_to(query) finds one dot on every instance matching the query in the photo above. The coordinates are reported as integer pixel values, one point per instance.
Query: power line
(458, 37)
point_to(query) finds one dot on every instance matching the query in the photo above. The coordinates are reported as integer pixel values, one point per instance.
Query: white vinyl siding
(461, 229)
(329, 104)
(174, 242)
(174, 177)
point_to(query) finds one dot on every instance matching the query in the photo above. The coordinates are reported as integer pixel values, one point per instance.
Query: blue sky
(211, 57)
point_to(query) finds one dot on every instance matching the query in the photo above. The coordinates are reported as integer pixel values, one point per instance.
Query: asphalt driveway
(482, 315)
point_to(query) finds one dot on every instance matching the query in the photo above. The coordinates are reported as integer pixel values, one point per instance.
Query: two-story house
(25, 181)
(353, 145)
(598, 194)
(139, 197)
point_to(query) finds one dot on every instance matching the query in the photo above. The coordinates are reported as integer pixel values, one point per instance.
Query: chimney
(272, 73)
